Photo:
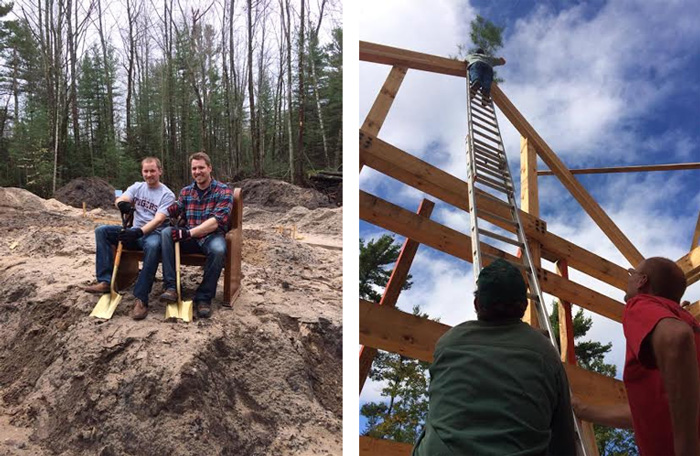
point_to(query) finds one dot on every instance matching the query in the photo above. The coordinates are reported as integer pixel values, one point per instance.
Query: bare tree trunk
(312, 48)
(287, 32)
(73, 101)
(108, 76)
(131, 50)
(299, 168)
(251, 95)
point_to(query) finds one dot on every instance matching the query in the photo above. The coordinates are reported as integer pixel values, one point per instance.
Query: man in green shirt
(497, 385)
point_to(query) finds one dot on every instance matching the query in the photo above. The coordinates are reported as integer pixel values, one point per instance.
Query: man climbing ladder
(480, 68)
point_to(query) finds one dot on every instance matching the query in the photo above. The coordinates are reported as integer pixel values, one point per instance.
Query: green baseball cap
(500, 282)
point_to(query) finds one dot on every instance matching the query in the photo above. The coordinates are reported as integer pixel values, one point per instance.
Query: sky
(604, 83)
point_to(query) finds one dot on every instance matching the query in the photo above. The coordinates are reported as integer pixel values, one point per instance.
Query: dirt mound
(264, 377)
(95, 192)
(19, 198)
(280, 194)
(319, 221)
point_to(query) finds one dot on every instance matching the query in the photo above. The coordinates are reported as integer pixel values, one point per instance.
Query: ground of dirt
(263, 377)
(93, 191)
(281, 195)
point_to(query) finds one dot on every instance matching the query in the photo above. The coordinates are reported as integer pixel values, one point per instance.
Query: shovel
(180, 309)
(108, 302)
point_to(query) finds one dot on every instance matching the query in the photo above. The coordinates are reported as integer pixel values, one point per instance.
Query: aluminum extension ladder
(487, 166)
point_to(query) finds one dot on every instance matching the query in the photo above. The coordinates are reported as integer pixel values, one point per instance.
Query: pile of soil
(263, 377)
(94, 191)
(280, 194)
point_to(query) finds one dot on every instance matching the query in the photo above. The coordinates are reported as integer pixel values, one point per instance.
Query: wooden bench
(129, 264)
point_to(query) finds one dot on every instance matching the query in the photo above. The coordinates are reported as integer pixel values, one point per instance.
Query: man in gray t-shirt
(150, 200)
(480, 67)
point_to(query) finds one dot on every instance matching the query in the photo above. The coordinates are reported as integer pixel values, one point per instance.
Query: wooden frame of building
(383, 327)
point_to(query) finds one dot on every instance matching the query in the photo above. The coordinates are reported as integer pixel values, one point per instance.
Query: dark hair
(666, 278)
(479, 51)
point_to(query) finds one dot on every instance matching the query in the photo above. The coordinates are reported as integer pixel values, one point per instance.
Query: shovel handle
(117, 259)
(177, 269)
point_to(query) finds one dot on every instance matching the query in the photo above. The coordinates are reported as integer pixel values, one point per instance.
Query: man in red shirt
(661, 366)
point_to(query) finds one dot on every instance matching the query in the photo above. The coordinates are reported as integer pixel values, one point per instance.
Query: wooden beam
(392, 330)
(566, 324)
(694, 309)
(530, 203)
(696, 234)
(376, 116)
(429, 179)
(578, 191)
(626, 169)
(393, 287)
(378, 53)
(428, 232)
(690, 264)
(379, 447)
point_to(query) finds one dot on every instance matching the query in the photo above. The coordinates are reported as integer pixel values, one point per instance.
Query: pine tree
(373, 258)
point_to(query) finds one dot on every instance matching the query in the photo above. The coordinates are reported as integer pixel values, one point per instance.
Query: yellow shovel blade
(172, 311)
(185, 310)
(106, 306)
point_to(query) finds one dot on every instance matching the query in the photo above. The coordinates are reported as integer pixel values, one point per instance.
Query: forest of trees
(89, 87)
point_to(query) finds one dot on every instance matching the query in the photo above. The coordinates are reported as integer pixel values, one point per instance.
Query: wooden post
(566, 325)
(377, 114)
(530, 203)
(393, 287)
(696, 235)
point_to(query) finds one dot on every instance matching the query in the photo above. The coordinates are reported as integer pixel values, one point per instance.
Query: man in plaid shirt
(206, 206)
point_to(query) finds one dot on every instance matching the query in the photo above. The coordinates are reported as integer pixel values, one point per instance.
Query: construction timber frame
(383, 327)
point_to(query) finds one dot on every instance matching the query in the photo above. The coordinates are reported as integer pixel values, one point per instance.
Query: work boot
(203, 309)
(98, 288)
(169, 295)
(139, 311)
(474, 88)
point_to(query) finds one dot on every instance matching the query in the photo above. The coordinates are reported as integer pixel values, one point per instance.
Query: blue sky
(605, 83)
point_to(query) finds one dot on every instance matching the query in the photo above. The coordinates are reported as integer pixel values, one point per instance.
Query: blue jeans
(214, 248)
(106, 237)
(479, 71)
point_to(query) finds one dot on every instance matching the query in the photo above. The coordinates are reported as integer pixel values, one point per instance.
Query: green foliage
(406, 385)
(591, 355)
(374, 256)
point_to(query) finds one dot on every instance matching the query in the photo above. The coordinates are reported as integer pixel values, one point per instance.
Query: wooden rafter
(394, 286)
(626, 169)
(389, 329)
(428, 232)
(394, 56)
(427, 178)
(696, 234)
(370, 446)
(690, 264)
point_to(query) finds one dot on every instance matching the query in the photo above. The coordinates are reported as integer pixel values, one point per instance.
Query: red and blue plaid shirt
(216, 201)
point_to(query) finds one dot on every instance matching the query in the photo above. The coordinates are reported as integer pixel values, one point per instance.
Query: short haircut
(200, 156)
(152, 159)
(666, 278)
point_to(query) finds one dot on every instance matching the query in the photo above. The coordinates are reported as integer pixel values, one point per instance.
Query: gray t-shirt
(491, 61)
(148, 201)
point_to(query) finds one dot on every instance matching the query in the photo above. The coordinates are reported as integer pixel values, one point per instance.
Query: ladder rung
(514, 242)
(481, 134)
(484, 127)
(495, 167)
(486, 154)
(493, 162)
(495, 257)
(480, 179)
(478, 107)
(486, 146)
(494, 216)
(500, 181)
(533, 297)
(484, 119)
(493, 197)
(486, 170)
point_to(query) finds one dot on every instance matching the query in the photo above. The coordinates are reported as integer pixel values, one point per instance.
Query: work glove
(124, 207)
(130, 235)
(173, 210)
(181, 234)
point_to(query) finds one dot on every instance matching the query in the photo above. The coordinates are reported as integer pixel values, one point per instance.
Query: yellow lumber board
(428, 232)
(378, 53)
(382, 104)
(530, 203)
(379, 447)
(389, 329)
(690, 264)
(427, 178)
(628, 250)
